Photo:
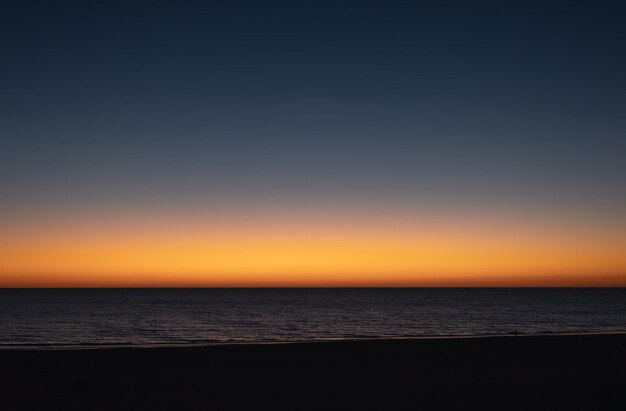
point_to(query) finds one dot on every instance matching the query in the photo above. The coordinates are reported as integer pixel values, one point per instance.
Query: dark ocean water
(145, 317)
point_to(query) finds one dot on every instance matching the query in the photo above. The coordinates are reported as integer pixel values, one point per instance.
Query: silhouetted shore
(549, 372)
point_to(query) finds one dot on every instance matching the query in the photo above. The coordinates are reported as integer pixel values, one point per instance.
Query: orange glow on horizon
(314, 252)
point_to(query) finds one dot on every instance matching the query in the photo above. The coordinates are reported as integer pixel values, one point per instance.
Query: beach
(585, 372)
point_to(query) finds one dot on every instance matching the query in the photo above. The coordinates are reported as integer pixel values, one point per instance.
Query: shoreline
(210, 344)
(517, 373)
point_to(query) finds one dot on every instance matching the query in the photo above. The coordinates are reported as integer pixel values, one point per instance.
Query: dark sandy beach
(530, 373)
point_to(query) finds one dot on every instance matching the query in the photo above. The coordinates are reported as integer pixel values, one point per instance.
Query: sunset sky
(352, 143)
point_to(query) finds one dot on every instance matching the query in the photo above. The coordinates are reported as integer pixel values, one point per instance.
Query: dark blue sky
(489, 104)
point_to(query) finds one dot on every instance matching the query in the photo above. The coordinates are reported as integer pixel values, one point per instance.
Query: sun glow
(308, 252)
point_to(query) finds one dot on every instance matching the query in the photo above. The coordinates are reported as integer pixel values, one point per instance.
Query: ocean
(87, 318)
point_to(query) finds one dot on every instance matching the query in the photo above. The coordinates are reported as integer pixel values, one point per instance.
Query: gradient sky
(227, 143)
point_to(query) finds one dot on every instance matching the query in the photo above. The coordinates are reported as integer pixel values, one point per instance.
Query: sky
(312, 143)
